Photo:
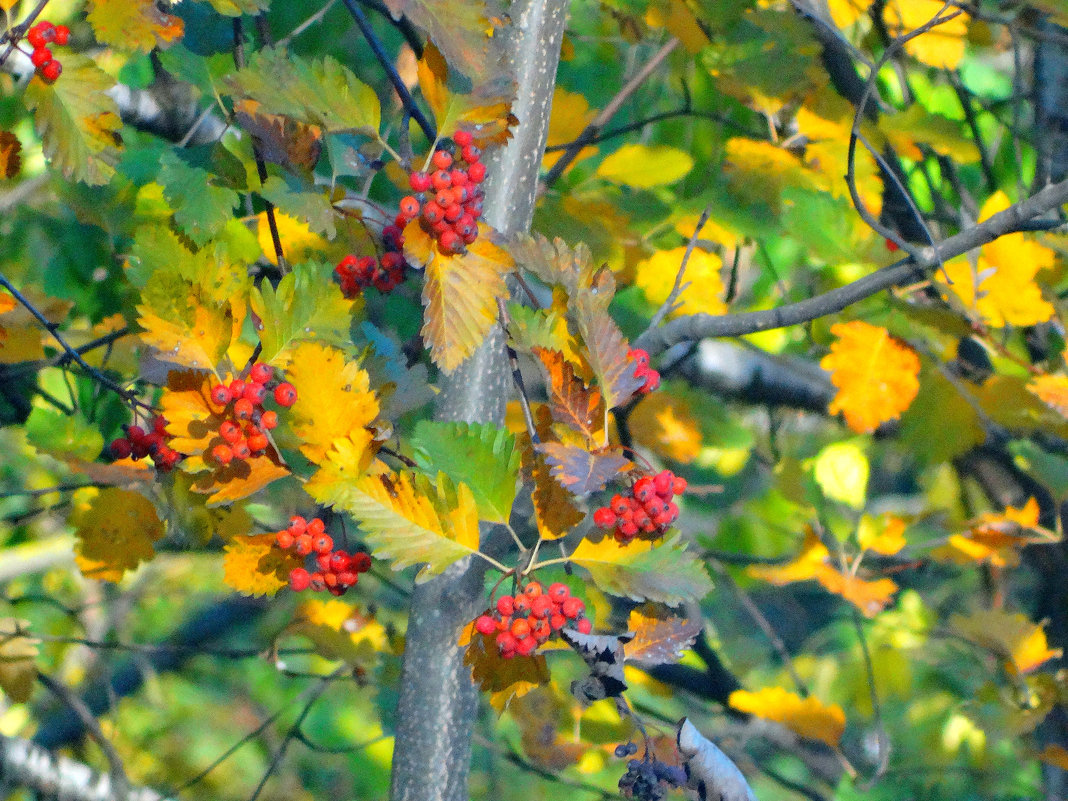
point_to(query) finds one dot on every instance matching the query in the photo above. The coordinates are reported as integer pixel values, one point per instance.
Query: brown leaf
(463, 32)
(10, 158)
(281, 140)
(608, 352)
(503, 679)
(554, 507)
(659, 636)
(581, 471)
(571, 402)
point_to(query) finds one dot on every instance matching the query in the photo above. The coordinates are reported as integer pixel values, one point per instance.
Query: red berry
(222, 454)
(639, 356)
(476, 172)
(62, 34)
(268, 420)
(441, 180)
(459, 181)
(533, 589)
(51, 71)
(318, 581)
(348, 578)
(41, 56)
(485, 625)
(643, 489)
(628, 529)
(453, 213)
(261, 373)
(323, 543)
(620, 505)
(541, 631)
(471, 155)
(558, 591)
(243, 409)
(662, 483)
(652, 381)
(339, 561)
(678, 486)
(284, 539)
(526, 646)
(304, 544)
(450, 242)
(316, 526)
(541, 606)
(891, 245)
(237, 388)
(573, 607)
(230, 431)
(419, 181)
(258, 443)
(604, 518)
(297, 525)
(299, 579)
(409, 207)
(135, 433)
(522, 604)
(361, 562)
(285, 394)
(432, 212)
(241, 450)
(442, 159)
(557, 621)
(506, 642)
(463, 138)
(584, 626)
(520, 628)
(505, 605)
(120, 448)
(254, 393)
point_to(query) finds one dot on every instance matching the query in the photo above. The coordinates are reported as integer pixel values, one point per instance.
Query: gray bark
(438, 703)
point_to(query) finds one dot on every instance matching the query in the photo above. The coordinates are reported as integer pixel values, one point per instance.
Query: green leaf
(320, 93)
(201, 209)
(63, 436)
(641, 571)
(480, 455)
(305, 306)
(77, 120)
(237, 8)
(313, 207)
(644, 166)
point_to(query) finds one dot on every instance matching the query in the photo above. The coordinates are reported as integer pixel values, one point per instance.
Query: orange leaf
(885, 536)
(1055, 755)
(996, 538)
(665, 424)
(571, 402)
(870, 597)
(10, 158)
(460, 292)
(807, 565)
(808, 717)
(503, 679)
(253, 565)
(876, 376)
(485, 111)
(1052, 390)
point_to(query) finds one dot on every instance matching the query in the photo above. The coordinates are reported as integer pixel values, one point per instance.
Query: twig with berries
(336, 571)
(448, 200)
(648, 509)
(246, 431)
(39, 37)
(139, 443)
(520, 623)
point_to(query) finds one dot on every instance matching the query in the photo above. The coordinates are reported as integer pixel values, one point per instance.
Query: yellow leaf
(254, 565)
(133, 24)
(485, 111)
(18, 655)
(341, 631)
(199, 342)
(876, 376)
(645, 166)
(885, 536)
(656, 277)
(846, 12)
(334, 400)
(298, 240)
(22, 338)
(841, 470)
(942, 46)
(116, 529)
(666, 425)
(807, 565)
(761, 170)
(460, 292)
(1052, 390)
(571, 113)
(996, 539)
(503, 679)
(1019, 642)
(676, 16)
(712, 230)
(808, 717)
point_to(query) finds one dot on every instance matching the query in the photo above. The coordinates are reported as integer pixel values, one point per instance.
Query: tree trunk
(437, 706)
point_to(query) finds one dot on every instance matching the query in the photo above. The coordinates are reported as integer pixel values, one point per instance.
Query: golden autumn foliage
(808, 717)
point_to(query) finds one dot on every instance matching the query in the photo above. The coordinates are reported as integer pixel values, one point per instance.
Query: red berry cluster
(448, 202)
(40, 36)
(384, 274)
(643, 371)
(245, 431)
(524, 621)
(138, 443)
(337, 571)
(648, 509)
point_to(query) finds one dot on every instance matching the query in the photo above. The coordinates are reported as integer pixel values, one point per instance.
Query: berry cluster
(139, 443)
(245, 431)
(337, 569)
(524, 621)
(648, 509)
(40, 36)
(643, 371)
(448, 202)
(650, 779)
(384, 274)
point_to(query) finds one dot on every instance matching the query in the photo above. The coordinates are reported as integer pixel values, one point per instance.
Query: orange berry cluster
(643, 371)
(139, 443)
(648, 509)
(338, 570)
(244, 434)
(448, 202)
(524, 621)
(40, 36)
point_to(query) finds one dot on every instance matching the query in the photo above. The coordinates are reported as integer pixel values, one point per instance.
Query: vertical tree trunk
(437, 706)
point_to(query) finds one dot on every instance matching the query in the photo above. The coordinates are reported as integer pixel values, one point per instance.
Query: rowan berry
(62, 35)
(505, 605)
(450, 242)
(284, 539)
(470, 154)
(520, 627)
(222, 454)
(557, 621)
(541, 631)
(521, 604)
(476, 172)
(604, 518)
(323, 543)
(299, 579)
(285, 394)
(40, 57)
(361, 562)
(243, 409)
(433, 212)
(678, 485)
(261, 373)
(441, 180)
(558, 591)
(348, 577)
(120, 448)
(41, 34)
(541, 606)
(297, 525)
(419, 181)
(304, 544)
(241, 449)
(533, 589)
(318, 581)
(584, 626)
(485, 625)
(409, 207)
(526, 646)
(254, 393)
(269, 420)
(442, 159)
(572, 607)
(237, 388)
(506, 642)
(257, 443)
(340, 561)
(463, 138)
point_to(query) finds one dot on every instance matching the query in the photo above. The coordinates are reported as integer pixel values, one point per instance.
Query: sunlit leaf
(571, 402)
(254, 565)
(660, 637)
(340, 631)
(808, 717)
(1053, 390)
(645, 166)
(701, 279)
(841, 469)
(996, 539)
(485, 111)
(869, 596)
(133, 24)
(116, 529)
(807, 565)
(63, 435)
(555, 511)
(942, 46)
(884, 535)
(1019, 642)
(666, 425)
(571, 113)
(644, 571)
(299, 241)
(876, 376)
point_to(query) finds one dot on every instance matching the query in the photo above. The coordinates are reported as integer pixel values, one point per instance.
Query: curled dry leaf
(709, 771)
(603, 655)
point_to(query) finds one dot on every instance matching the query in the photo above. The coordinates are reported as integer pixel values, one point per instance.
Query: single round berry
(304, 544)
(120, 448)
(541, 607)
(361, 562)
(230, 431)
(533, 589)
(261, 373)
(284, 539)
(573, 607)
(471, 154)
(450, 242)
(62, 35)
(340, 561)
(476, 172)
(285, 394)
(254, 393)
(441, 180)
(584, 626)
(409, 207)
(268, 420)
(463, 138)
(505, 605)
(558, 592)
(678, 485)
(41, 56)
(316, 526)
(643, 489)
(442, 159)
(299, 579)
(297, 525)
(323, 543)
(604, 518)
(257, 443)
(237, 388)
(243, 409)
(241, 450)
(222, 454)
(419, 181)
(526, 646)
(485, 625)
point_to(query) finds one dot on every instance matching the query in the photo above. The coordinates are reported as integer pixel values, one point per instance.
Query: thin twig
(313, 19)
(12, 36)
(669, 302)
(594, 128)
(517, 374)
(685, 111)
(876, 707)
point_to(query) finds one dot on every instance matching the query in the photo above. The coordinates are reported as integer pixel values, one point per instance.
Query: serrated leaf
(581, 471)
(254, 565)
(460, 292)
(554, 507)
(659, 636)
(808, 717)
(133, 24)
(554, 262)
(409, 521)
(485, 111)
(571, 402)
(607, 349)
(313, 207)
(201, 209)
(503, 679)
(464, 33)
(645, 166)
(642, 571)
(280, 139)
(18, 659)
(77, 121)
(603, 655)
(323, 93)
(480, 455)
(195, 337)
(116, 529)
(304, 306)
